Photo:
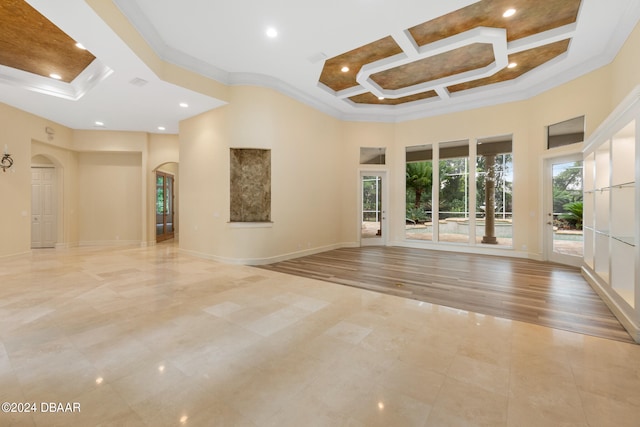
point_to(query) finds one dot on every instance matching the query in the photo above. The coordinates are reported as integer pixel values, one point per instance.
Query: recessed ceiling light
(99, 123)
(55, 76)
(184, 104)
(80, 46)
(162, 128)
(512, 65)
(509, 12)
(272, 32)
(344, 69)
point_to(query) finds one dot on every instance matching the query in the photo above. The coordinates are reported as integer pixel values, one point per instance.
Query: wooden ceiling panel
(526, 60)
(333, 77)
(532, 17)
(31, 43)
(369, 98)
(446, 64)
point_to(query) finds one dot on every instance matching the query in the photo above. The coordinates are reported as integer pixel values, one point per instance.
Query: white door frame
(384, 222)
(547, 219)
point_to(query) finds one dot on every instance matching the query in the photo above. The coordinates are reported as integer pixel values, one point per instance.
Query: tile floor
(152, 337)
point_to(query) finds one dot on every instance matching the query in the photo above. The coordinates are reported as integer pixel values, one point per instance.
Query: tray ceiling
(404, 59)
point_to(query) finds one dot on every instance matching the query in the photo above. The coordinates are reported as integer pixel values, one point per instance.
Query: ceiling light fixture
(55, 76)
(184, 105)
(272, 33)
(99, 123)
(344, 69)
(162, 128)
(512, 65)
(508, 13)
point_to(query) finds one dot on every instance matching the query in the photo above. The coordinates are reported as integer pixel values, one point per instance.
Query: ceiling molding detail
(366, 100)
(225, 43)
(165, 52)
(95, 73)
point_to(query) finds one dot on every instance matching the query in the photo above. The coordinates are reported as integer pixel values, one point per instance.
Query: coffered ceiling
(383, 60)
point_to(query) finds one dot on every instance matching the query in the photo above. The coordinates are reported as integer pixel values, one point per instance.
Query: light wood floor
(545, 294)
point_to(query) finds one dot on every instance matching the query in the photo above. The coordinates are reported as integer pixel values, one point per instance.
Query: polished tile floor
(152, 337)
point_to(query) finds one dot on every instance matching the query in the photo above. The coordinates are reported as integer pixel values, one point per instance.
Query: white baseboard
(269, 260)
(110, 243)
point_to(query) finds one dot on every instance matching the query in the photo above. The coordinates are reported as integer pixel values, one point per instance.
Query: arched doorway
(166, 202)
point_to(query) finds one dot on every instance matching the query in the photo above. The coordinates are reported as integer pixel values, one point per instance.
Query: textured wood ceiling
(531, 18)
(332, 74)
(446, 64)
(31, 43)
(526, 60)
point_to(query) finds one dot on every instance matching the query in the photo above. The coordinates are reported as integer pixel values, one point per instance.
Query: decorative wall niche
(250, 185)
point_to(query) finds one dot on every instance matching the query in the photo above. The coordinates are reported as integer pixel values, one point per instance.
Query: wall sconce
(6, 161)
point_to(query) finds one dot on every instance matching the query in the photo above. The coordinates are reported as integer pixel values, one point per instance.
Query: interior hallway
(151, 337)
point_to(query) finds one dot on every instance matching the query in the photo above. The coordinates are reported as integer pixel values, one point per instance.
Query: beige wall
(314, 167)
(328, 150)
(308, 178)
(19, 130)
(626, 68)
(110, 200)
(100, 180)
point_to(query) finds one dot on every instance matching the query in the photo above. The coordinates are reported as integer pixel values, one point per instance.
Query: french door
(563, 237)
(373, 217)
(164, 207)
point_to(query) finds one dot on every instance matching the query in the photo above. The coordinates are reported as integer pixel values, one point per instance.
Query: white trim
(268, 260)
(618, 118)
(106, 243)
(89, 78)
(610, 299)
(547, 205)
(383, 172)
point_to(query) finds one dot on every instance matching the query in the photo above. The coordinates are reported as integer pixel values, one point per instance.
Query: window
(565, 133)
(419, 193)
(494, 191)
(444, 205)
(453, 217)
(372, 155)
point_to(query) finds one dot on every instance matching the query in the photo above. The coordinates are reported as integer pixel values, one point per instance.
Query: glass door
(373, 208)
(164, 207)
(563, 217)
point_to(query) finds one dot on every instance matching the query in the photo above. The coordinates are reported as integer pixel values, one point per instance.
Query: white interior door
(43, 209)
(373, 208)
(564, 241)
